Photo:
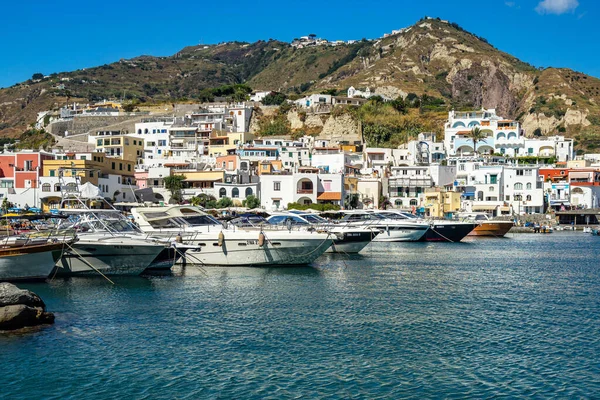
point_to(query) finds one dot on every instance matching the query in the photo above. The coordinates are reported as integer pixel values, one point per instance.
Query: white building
(407, 184)
(314, 100)
(155, 133)
(302, 187)
(502, 136)
(502, 189)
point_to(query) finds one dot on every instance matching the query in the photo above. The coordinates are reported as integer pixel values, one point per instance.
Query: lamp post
(519, 197)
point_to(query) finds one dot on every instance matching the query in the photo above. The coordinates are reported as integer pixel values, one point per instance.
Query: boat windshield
(183, 221)
(363, 217)
(314, 219)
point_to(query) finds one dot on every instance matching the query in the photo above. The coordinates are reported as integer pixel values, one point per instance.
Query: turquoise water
(515, 317)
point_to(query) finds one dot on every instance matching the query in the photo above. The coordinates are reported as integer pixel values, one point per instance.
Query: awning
(337, 196)
(483, 208)
(203, 180)
(579, 175)
(503, 208)
(176, 164)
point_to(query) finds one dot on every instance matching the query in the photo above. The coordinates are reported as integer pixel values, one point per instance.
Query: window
(113, 165)
(530, 150)
(46, 187)
(528, 186)
(99, 142)
(528, 172)
(491, 189)
(276, 186)
(520, 172)
(222, 192)
(327, 186)
(57, 187)
(52, 172)
(129, 167)
(120, 166)
(119, 180)
(235, 193)
(248, 192)
(91, 174)
(518, 186)
(493, 179)
(528, 198)
(28, 165)
(162, 142)
(413, 202)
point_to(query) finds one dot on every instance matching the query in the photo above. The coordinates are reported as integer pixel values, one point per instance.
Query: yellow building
(89, 167)
(120, 146)
(269, 167)
(220, 142)
(64, 174)
(441, 203)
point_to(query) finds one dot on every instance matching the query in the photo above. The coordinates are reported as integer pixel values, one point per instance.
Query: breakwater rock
(21, 308)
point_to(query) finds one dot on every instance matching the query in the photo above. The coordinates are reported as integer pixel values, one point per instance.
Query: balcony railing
(305, 191)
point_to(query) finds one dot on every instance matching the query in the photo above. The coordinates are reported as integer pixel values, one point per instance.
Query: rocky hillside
(432, 58)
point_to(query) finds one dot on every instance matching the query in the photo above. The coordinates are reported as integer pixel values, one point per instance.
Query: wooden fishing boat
(34, 261)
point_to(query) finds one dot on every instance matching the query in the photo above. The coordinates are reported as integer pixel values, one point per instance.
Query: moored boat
(439, 230)
(347, 239)
(33, 261)
(216, 244)
(485, 225)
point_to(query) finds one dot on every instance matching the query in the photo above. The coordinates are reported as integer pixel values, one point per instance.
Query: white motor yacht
(107, 244)
(391, 230)
(227, 245)
(348, 239)
(439, 230)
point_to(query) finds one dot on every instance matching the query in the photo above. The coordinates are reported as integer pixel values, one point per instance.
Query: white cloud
(509, 3)
(556, 6)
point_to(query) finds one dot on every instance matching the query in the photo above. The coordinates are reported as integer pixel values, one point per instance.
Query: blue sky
(57, 36)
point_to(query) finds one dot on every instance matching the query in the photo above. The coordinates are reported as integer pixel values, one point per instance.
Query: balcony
(305, 191)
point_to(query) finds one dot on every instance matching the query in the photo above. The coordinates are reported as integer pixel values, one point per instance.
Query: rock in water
(20, 308)
(11, 295)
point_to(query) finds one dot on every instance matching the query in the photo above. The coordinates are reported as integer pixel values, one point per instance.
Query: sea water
(513, 317)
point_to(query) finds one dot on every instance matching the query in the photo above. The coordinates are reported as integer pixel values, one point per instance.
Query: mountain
(432, 57)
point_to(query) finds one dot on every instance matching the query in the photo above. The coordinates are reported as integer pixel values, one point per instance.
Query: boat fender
(178, 238)
(221, 238)
(261, 239)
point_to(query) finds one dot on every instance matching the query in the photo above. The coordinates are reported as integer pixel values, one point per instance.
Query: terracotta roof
(330, 196)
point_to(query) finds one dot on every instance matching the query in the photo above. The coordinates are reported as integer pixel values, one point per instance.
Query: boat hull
(351, 242)
(28, 263)
(110, 259)
(244, 249)
(399, 234)
(496, 229)
(448, 232)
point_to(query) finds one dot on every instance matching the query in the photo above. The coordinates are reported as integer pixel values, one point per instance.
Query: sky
(58, 36)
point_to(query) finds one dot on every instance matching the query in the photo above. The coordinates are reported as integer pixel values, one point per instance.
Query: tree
(251, 202)
(400, 105)
(224, 202)
(477, 135)
(203, 200)
(174, 184)
(37, 76)
(273, 99)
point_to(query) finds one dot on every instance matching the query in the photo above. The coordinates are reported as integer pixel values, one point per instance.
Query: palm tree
(476, 136)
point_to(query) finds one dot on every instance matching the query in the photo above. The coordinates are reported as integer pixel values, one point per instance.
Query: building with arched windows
(501, 135)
